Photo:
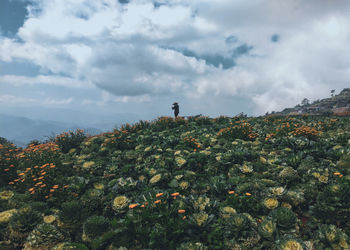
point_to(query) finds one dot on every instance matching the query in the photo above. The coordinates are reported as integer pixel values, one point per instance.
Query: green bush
(69, 140)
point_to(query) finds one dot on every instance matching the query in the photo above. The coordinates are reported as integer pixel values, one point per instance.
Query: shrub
(69, 140)
(95, 226)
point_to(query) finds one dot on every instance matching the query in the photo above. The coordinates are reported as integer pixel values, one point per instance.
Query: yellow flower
(227, 212)
(177, 152)
(6, 195)
(178, 177)
(277, 190)
(152, 171)
(316, 175)
(49, 219)
(180, 161)
(263, 160)
(287, 205)
(6, 215)
(88, 164)
(148, 149)
(292, 244)
(120, 202)
(246, 169)
(141, 178)
(155, 179)
(200, 218)
(201, 203)
(184, 185)
(323, 179)
(271, 203)
(99, 186)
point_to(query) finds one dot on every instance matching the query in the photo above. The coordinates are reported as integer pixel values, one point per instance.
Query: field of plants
(270, 182)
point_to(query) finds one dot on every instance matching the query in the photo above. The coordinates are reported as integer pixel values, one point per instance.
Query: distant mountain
(21, 130)
(335, 105)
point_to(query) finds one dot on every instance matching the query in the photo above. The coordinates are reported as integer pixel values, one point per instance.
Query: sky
(92, 61)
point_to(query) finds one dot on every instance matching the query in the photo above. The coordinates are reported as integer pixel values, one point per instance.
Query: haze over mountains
(21, 130)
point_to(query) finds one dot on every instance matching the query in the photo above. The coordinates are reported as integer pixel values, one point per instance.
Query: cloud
(44, 80)
(273, 53)
(12, 99)
(107, 99)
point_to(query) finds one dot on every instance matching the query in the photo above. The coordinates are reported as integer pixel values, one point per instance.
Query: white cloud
(133, 51)
(44, 80)
(11, 99)
(57, 102)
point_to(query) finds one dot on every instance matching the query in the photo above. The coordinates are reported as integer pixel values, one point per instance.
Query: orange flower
(159, 194)
(7, 169)
(41, 177)
(12, 166)
(184, 217)
(340, 175)
(42, 186)
(175, 194)
(142, 205)
(336, 173)
(157, 201)
(65, 186)
(231, 192)
(21, 174)
(30, 189)
(52, 166)
(181, 211)
(33, 192)
(11, 183)
(35, 179)
(43, 173)
(46, 196)
(52, 190)
(133, 205)
(36, 166)
(248, 194)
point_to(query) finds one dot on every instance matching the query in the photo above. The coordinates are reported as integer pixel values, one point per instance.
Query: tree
(305, 101)
(332, 92)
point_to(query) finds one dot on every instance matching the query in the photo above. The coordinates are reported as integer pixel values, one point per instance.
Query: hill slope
(226, 183)
(337, 105)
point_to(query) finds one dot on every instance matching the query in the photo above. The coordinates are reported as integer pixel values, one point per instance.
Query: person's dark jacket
(176, 109)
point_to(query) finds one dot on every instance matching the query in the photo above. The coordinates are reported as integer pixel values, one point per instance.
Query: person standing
(176, 109)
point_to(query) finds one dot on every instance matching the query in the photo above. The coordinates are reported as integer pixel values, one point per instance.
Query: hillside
(227, 183)
(336, 105)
